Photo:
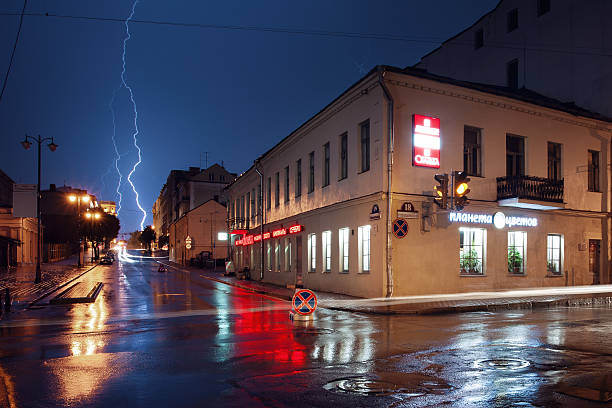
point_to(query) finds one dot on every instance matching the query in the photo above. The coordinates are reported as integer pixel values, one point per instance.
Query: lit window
(343, 243)
(277, 256)
(326, 247)
(312, 252)
(288, 254)
(269, 256)
(364, 248)
(553, 254)
(471, 251)
(517, 243)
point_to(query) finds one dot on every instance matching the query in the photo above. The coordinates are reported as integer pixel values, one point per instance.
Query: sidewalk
(429, 304)
(20, 280)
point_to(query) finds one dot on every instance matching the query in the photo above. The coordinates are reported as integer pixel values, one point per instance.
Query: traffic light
(461, 189)
(441, 190)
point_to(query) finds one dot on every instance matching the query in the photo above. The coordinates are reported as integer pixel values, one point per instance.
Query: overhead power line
(595, 51)
(8, 70)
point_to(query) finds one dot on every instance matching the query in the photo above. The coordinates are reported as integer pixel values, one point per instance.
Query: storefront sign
(500, 220)
(425, 141)
(281, 232)
(295, 229)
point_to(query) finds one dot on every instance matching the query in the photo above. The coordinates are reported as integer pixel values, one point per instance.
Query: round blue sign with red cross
(304, 302)
(400, 228)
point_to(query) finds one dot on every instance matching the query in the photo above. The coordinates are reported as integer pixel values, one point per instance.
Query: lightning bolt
(117, 155)
(135, 135)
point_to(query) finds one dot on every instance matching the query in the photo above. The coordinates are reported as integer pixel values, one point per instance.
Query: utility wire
(8, 70)
(322, 33)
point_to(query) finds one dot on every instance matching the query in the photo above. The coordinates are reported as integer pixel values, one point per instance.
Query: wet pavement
(177, 339)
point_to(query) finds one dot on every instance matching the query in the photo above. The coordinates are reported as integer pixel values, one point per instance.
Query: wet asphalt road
(178, 340)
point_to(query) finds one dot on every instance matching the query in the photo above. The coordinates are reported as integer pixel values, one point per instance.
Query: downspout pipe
(263, 214)
(391, 138)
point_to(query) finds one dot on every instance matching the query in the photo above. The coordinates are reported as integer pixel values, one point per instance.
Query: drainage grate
(502, 363)
(365, 386)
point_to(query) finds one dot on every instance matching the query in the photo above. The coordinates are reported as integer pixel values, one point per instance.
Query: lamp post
(77, 198)
(52, 146)
(91, 216)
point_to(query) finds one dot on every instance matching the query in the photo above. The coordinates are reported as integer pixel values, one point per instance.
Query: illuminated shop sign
(499, 219)
(251, 239)
(425, 141)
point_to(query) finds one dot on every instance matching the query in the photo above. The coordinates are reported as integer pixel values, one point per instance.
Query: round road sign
(304, 302)
(400, 228)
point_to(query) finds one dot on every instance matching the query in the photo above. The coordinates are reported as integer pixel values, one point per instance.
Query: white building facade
(345, 203)
(558, 48)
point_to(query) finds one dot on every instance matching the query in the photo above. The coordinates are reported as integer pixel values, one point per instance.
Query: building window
(512, 74)
(517, 243)
(269, 255)
(311, 172)
(287, 184)
(259, 199)
(471, 151)
(594, 170)
(326, 164)
(471, 251)
(298, 178)
(478, 39)
(554, 161)
(276, 189)
(365, 145)
(343, 244)
(288, 254)
(269, 194)
(312, 252)
(277, 256)
(343, 156)
(326, 248)
(543, 7)
(364, 248)
(513, 20)
(553, 254)
(515, 155)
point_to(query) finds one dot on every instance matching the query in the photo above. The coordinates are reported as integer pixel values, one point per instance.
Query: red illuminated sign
(239, 232)
(238, 242)
(279, 233)
(266, 235)
(425, 141)
(248, 240)
(295, 229)
(257, 238)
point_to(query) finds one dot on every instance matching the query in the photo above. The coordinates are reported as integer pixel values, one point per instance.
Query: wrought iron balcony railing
(530, 188)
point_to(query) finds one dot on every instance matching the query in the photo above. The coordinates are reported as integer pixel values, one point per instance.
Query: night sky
(231, 92)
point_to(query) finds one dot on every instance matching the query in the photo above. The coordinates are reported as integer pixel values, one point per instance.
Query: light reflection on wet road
(176, 339)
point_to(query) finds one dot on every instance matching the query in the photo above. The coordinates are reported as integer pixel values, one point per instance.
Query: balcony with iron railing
(527, 191)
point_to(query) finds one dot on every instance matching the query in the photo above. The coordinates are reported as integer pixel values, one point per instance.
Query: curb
(69, 281)
(258, 291)
(569, 301)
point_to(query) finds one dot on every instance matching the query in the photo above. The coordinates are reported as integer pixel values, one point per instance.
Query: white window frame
(326, 250)
(269, 255)
(343, 245)
(288, 254)
(312, 252)
(554, 254)
(466, 259)
(365, 247)
(277, 255)
(521, 248)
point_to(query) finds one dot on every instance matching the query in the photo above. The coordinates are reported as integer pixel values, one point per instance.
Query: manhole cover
(502, 363)
(365, 386)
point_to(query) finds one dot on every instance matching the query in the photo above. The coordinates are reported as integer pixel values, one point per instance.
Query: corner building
(345, 202)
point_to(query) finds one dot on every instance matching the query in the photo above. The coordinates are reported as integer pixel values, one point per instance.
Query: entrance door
(298, 261)
(594, 253)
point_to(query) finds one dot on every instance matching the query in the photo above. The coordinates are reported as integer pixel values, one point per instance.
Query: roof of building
(523, 95)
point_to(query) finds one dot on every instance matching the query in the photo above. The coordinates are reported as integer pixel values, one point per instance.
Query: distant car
(106, 260)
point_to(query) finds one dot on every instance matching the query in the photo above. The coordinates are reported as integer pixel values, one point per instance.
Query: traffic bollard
(7, 300)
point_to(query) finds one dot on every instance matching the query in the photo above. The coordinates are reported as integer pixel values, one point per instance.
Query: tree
(134, 241)
(147, 236)
(163, 240)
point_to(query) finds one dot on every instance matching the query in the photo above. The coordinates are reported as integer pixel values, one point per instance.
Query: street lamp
(52, 146)
(78, 198)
